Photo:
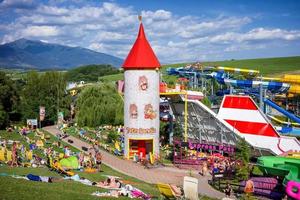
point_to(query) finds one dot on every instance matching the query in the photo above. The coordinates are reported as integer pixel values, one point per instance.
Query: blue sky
(179, 31)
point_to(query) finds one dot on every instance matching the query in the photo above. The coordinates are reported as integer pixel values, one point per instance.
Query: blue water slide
(283, 111)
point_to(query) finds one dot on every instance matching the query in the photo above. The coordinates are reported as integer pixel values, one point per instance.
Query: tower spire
(141, 55)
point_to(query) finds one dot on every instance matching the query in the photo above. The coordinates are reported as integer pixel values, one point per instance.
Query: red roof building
(141, 55)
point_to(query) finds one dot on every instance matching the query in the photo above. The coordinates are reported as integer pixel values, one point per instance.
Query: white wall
(134, 94)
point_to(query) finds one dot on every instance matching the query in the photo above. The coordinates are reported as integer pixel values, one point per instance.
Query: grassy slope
(16, 189)
(19, 189)
(267, 66)
(18, 137)
(22, 189)
(113, 77)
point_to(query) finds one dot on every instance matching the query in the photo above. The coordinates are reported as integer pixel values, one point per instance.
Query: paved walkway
(164, 174)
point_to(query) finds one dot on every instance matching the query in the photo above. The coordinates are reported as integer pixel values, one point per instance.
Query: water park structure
(238, 115)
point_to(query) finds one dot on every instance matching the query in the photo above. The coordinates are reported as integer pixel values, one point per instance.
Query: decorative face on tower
(149, 113)
(133, 111)
(143, 83)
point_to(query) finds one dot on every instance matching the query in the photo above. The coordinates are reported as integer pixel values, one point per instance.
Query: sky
(178, 31)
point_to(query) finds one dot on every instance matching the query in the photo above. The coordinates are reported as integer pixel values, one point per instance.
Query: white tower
(141, 99)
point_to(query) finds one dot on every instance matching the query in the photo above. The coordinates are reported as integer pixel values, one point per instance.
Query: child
(228, 190)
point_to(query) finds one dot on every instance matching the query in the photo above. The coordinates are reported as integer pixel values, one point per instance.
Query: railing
(273, 190)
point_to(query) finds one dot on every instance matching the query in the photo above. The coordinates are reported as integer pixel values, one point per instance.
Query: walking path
(155, 175)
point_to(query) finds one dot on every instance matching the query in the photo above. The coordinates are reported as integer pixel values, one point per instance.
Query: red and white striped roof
(242, 113)
(244, 117)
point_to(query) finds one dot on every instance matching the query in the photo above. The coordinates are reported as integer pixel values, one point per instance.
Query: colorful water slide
(246, 120)
(283, 111)
(249, 72)
(289, 168)
(293, 80)
(272, 86)
(283, 122)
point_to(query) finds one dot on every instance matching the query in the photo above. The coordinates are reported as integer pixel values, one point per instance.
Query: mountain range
(29, 54)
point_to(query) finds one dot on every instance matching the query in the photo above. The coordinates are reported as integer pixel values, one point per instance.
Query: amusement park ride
(238, 114)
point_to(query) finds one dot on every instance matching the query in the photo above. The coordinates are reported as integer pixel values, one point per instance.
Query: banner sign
(141, 130)
(42, 113)
(214, 147)
(60, 117)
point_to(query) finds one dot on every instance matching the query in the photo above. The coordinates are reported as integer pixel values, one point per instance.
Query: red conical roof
(141, 55)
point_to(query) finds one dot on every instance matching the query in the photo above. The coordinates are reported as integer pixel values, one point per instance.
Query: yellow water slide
(239, 70)
(293, 80)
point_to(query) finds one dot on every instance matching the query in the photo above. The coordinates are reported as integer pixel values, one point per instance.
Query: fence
(263, 186)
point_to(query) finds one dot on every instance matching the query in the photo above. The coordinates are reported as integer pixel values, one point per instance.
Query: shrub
(112, 136)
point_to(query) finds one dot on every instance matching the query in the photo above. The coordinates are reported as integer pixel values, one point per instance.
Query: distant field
(113, 77)
(266, 66)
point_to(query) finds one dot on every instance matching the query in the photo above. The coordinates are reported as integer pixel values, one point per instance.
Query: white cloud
(112, 36)
(256, 35)
(240, 47)
(157, 15)
(40, 31)
(96, 47)
(52, 10)
(111, 28)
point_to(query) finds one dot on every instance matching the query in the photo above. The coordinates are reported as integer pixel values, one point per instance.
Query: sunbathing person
(111, 183)
(177, 191)
(47, 179)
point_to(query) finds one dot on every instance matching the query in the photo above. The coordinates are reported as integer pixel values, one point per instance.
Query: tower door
(142, 147)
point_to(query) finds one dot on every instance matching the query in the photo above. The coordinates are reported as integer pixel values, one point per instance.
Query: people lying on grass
(110, 182)
(176, 191)
(47, 179)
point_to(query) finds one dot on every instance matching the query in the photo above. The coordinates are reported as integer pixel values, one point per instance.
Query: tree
(243, 155)
(9, 99)
(90, 72)
(47, 89)
(98, 105)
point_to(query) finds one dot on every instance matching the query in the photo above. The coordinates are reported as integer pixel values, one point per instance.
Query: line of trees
(90, 73)
(20, 100)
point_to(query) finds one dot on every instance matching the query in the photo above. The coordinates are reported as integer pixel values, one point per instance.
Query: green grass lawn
(17, 137)
(22, 189)
(113, 77)
(266, 66)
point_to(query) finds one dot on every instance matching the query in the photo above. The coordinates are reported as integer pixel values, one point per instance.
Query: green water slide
(289, 168)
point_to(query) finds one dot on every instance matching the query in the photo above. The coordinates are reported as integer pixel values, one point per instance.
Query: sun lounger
(59, 169)
(29, 155)
(2, 157)
(166, 191)
(8, 156)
